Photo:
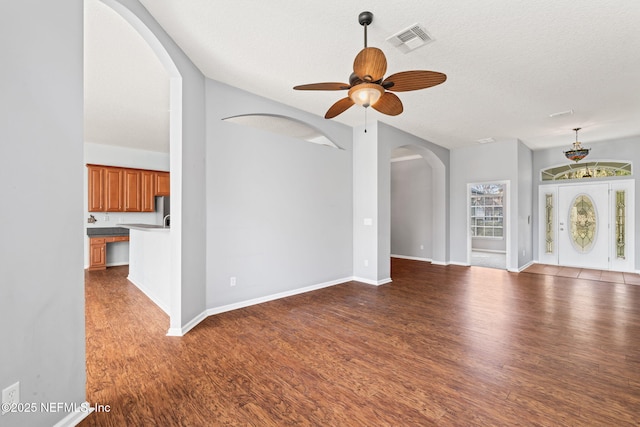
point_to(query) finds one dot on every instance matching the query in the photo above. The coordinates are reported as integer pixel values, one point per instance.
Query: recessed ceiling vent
(410, 38)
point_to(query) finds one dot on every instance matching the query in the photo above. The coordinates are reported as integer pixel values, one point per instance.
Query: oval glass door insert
(583, 223)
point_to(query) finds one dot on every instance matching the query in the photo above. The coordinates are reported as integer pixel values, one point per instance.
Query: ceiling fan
(367, 85)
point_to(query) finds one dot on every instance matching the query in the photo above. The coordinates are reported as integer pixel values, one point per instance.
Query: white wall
(278, 211)
(411, 208)
(110, 155)
(41, 169)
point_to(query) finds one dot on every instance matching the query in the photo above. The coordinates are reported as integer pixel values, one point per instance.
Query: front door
(584, 226)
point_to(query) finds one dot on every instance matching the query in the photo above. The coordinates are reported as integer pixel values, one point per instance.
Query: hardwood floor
(441, 346)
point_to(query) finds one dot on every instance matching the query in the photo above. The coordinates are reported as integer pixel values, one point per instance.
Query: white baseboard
(178, 332)
(413, 258)
(524, 267)
(74, 418)
(491, 251)
(117, 264)
(266, 298)
(372, 282)
(461, 264)
(150, 295)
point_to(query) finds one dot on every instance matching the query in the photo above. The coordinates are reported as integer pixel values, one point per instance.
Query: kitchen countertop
(145, 227)
(107, 231)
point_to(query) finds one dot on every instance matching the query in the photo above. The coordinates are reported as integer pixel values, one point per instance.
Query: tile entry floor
(585, 273)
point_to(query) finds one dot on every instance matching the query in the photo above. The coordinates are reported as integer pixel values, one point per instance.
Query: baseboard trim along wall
(266, 298)
(74, 418)
(148, 293)
(461, 264)
(178, 332)
(372, 282)
(413, 258)
(524, 267)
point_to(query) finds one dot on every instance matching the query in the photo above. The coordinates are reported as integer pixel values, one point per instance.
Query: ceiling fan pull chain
(365, 118)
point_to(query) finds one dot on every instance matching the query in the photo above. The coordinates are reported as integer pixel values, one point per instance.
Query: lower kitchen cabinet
(98, 250)
(97, 253)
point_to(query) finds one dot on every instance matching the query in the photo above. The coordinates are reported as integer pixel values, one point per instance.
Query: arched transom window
(586, 170)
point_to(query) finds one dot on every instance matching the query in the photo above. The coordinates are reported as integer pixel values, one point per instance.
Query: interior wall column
(366, 222)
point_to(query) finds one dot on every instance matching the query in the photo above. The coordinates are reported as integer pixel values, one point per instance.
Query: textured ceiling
(510, 64)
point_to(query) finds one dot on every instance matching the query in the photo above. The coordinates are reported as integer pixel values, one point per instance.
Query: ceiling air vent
(410, 38)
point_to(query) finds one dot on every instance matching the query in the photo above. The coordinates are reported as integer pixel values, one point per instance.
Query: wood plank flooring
(441, 346)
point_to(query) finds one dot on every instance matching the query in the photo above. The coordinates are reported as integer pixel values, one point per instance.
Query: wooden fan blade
(339, 107)
(370, 64)
(389, 104)
(413, 80)
(323, 86)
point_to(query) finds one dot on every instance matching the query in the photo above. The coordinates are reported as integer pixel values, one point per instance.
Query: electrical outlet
(10, 397)
(366, 263)
(232, 281)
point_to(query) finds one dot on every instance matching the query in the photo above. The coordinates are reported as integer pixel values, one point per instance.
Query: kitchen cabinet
(148, 190)
(162, 183)
(97, 253)
(96, 188)
(116, 189)
(132, 190)
(113, 189)
(98, 250)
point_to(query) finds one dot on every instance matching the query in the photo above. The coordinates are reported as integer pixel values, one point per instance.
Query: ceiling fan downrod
(365, 18)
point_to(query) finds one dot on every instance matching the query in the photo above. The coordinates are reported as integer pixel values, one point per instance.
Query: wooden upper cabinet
(148, 190)
(162, 183)
(96, 188)
(115, 189)
(132, 190)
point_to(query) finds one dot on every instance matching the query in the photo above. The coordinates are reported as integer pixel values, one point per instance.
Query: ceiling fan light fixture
(366, 94)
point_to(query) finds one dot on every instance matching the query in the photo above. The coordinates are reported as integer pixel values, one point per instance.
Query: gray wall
(278, 209)
(495, 162)
(41, 167)
(366, 257)
(411, 208)
(625, 149)
(525, 205)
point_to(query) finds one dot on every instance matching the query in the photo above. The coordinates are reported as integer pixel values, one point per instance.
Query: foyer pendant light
(577, 152)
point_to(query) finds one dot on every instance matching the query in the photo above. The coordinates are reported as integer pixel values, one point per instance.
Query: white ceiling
(509, 63)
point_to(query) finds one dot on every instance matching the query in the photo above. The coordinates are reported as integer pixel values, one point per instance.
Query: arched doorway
(175, 143)
(431, 196)
(411, 206)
